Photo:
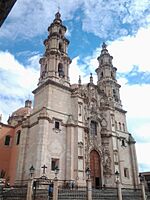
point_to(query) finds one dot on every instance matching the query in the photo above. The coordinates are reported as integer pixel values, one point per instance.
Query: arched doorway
(95, 169)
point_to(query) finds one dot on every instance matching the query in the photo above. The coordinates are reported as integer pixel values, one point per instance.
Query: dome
(20, 114)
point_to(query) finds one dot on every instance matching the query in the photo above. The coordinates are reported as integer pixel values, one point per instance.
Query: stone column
(89, 189)
(30, 190)
(143, 191)
(119, 191)
(70, 157)
(55, 189)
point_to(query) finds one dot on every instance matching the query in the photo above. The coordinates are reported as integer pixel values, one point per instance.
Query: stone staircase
(14, 193)
(104, 194)
(41, 194)
(74, 194)
(129, 194)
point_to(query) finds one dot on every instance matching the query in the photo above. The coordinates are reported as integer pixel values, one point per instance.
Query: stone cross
(44, 168)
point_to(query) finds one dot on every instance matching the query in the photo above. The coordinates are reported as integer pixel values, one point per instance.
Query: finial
(104, 45)
(57, 15)
(91, 78)
(79, 81)
(58, 8)
(0, 117)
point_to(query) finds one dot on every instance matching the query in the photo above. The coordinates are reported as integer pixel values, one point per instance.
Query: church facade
(75, 127)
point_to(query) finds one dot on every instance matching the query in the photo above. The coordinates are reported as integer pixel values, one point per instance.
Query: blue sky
(123, 24)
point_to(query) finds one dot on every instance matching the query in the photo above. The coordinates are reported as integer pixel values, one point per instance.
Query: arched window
(119, 126)
(60, 46)
(93, 127)
(116, 125)
(60, 70)
(102, 75)
(114, 92)
(18, 137)
(60, 31)
(7, 140)
(123, 127)
(123, 143)
(112, 75)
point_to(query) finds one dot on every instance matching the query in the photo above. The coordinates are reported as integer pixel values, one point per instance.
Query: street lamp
(117, 175)
(56, 171)
(32, 169)
(141, 178)
(88, 172)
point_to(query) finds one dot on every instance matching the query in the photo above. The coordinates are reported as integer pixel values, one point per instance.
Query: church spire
(57, 17)
(105, 69)
(106, 73)
(55, 62)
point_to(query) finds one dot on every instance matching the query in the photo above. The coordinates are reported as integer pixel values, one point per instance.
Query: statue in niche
(106, 162)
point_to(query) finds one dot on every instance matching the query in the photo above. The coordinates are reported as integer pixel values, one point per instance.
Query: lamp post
(56, 171)
(32, 169)
(88, 183)
(142, 179)
(55, 188)
(117, 175)
(119, 191)
(30, 183)
(88, 173)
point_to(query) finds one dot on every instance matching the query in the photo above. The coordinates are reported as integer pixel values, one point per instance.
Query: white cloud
(135, 99)
(143, 150)
(17, 82)
(132, 50)
(75, 71)
(120, 16)
(127, 52)
(30, 19)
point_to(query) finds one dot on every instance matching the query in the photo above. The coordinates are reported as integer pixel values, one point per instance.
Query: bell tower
(106, 73)
(55, 62)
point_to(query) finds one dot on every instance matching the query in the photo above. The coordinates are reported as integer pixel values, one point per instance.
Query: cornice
(120, 110)
(51, 82)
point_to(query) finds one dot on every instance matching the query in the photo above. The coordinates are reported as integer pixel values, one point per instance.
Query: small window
(93, 128)
(57, 124)
(114, 91)
(123, 143)
(119, 126)
(60, 70)
(80, 109)
(54, 164)
(111, 75)
(18, 137)
(7, 140)
(60, 31)
(126, 172)
(116, 125)
(60, 47)
(123, 127)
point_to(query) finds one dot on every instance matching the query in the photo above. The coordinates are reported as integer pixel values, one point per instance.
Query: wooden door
(95, 169)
